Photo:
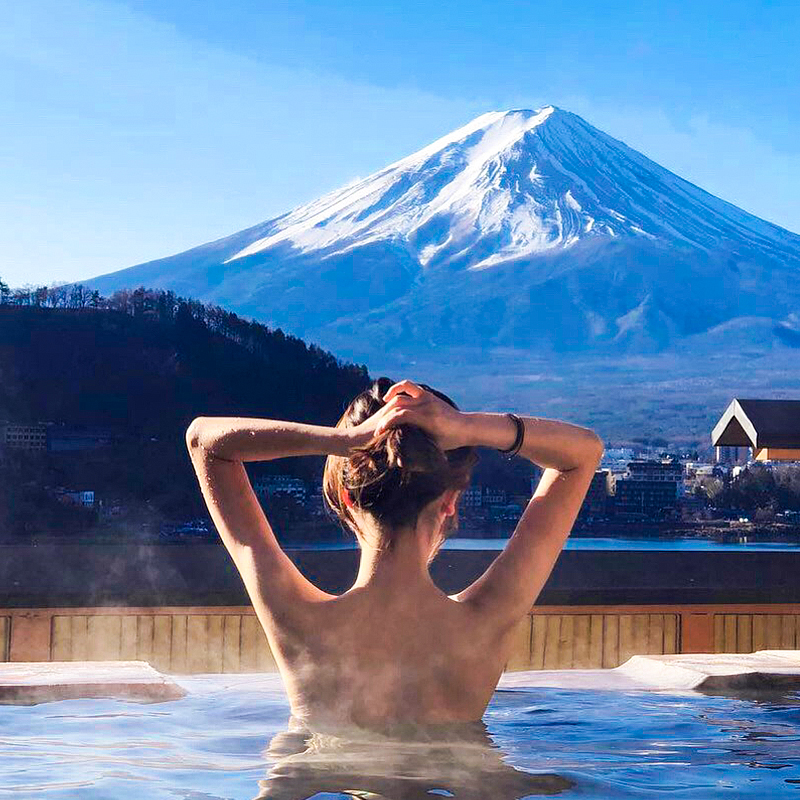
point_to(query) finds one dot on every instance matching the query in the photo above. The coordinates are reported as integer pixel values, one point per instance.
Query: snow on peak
(508, 185)
(499, 127)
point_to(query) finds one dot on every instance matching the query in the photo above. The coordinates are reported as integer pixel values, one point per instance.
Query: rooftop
(759, 424)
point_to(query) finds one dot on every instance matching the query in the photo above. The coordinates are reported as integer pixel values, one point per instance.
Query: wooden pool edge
(229, 639)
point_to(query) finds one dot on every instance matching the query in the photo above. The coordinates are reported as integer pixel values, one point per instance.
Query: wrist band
(515, 448)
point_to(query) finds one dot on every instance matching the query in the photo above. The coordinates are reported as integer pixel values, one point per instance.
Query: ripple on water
(215, 743)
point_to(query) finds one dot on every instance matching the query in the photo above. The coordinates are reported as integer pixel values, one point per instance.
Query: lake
(591, 543)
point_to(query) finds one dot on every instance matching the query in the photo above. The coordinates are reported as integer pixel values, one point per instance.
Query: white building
(614, 456)
(83, 498)
(472, 497)
(24, 437)
(280, 484)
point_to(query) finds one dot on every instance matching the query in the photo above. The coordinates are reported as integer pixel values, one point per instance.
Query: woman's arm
(254, 439)
(548, 443)
(570, 455)
(218, 446)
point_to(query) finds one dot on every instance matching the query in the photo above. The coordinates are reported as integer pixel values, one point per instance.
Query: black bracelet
(517, 446)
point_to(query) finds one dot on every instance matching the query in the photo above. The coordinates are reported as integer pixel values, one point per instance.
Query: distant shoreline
(303, 535)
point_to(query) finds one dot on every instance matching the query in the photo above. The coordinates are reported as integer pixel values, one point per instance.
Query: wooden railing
(183, 640)
(5, 636)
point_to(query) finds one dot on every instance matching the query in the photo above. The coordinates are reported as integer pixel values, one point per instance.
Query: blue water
(639, 544)
(578, 543)
(228, 738)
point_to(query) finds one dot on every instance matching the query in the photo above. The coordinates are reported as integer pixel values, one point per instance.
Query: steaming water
(228, 738)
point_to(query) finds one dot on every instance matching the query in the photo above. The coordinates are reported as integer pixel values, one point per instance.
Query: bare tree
(78, 296)
(57, 295)
(22, 295)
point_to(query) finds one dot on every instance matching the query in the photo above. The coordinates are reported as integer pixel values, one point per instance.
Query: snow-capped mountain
(512, 185)
(526, 230)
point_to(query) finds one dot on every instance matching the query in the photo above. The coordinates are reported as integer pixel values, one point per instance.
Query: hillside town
(642, 490)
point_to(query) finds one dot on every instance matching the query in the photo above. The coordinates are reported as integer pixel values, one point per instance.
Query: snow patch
(572, 202)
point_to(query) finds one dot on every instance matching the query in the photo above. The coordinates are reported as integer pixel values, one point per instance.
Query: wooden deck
(187, 640)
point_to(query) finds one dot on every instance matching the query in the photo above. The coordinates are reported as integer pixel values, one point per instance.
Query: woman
(393, 648)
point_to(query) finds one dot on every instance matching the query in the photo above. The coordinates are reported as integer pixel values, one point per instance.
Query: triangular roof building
(770, 427)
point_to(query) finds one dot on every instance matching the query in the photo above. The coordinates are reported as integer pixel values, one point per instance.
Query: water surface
(591, 543)
(230, 738)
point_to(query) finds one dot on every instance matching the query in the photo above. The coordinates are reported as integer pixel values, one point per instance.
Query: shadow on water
(405, 763)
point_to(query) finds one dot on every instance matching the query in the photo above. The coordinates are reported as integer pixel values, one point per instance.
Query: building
(770, 428)
(521, 500)
(506, 511)
(595, 506)
(315, 500)
(646, 499)
(61, 438)
(472, 497)
(665, 471)
(493, 497)
(269, 485)
(732, 455)
(696, 469)
(649, 490)
(617, 455)
(76, 497)
(24, 436)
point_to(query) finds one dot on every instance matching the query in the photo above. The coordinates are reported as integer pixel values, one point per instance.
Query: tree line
(163, 306)
(142, 363)
(56, 295)
(759, 491)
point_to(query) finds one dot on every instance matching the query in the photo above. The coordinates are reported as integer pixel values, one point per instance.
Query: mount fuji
(529, 243)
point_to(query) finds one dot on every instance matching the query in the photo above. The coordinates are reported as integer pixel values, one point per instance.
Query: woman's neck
(404, 565)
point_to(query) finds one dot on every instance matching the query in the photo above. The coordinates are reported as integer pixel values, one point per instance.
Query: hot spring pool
(228, 738)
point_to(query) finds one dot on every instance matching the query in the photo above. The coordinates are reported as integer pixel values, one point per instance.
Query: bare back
(371, 660)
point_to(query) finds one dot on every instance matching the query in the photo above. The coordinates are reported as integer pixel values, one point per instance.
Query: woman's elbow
(194, 433)
(594, 447)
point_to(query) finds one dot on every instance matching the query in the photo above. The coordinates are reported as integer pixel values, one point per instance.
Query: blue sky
(130, 131)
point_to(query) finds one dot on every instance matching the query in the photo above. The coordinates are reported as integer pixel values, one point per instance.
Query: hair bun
(411, 449)
(393, 443)
(397, 473)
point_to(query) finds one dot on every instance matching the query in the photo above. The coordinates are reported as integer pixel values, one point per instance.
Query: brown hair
(397, 473)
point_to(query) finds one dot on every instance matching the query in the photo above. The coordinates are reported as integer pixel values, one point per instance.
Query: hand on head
(409, 403)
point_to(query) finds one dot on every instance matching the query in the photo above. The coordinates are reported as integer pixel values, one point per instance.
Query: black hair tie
(517, 446)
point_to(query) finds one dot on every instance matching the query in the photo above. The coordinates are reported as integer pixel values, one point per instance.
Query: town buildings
(52, 437)
(596, 506)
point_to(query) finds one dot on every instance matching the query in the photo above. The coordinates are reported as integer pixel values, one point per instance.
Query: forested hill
(142, 364)
(149, 361)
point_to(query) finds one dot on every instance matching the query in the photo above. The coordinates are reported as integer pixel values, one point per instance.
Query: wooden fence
(184, 640)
